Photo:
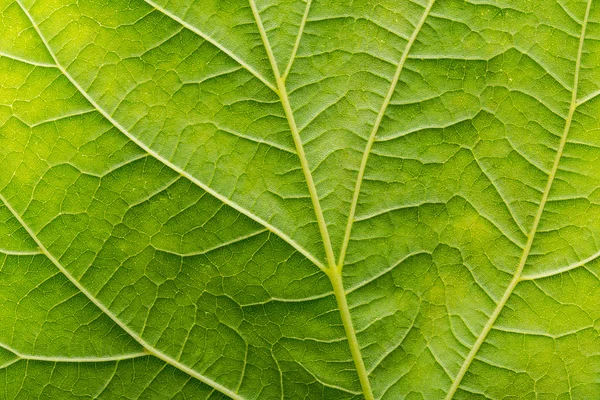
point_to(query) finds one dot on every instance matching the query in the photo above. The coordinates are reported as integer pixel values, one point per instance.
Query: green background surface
(287, 199)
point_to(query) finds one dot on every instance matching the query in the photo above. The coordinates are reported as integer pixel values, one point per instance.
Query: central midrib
(334, 269)
(530, 238)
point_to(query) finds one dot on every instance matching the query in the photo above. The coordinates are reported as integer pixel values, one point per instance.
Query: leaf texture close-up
(300, 199)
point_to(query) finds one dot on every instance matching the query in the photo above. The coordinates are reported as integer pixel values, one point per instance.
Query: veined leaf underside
(306, 211)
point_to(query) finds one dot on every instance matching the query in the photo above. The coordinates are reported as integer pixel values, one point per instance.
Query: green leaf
(299, 199)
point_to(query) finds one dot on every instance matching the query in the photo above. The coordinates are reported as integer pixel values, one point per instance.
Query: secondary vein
(373, 134)
(172, 166)
(151, 349)
(283, 95)
(297, 42)
(147, 346)
(526, 251)
(333, 272)
(212, 41)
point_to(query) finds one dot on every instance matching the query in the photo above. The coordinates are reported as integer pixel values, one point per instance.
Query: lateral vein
(32, 357)
(373, 134)
(174, 167)
(147, 346)
(333, 272)
(524, 256)
(151, 349)
(282, 91)
(214, 42)
(297, 42)
(561, 270)
(225, 244)
(26, 61)
(20, 252)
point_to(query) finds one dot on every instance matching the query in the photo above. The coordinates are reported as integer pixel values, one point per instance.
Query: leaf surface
(268, 199)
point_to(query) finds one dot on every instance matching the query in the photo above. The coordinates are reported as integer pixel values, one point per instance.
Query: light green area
(288, 199)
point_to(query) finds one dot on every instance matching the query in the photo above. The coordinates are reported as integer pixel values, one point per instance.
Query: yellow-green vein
(373, 134)
(333, 272)
(211, 40)
(282, 92)
(172, 166)
(147, 346)
(538, 216)
(288, 68)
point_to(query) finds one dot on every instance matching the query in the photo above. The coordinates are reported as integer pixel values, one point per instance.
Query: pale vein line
(297, 42)
(225, 244)
(385, 271)
(589, 97)
(174, 167)
(26, 61)
(280, 375)
(506, 203)
(162, 188)
(560, 270)
(122, 164)
(108, 381)
(569, 13)
(333, 272)
(214, 42)
(84, 359)
(438, 361)
(61, 117)
(285, 101)
(33, 357)
(282, 300)
(147, 346)
(9, 363)
(536, 333)
(488, 218)
(322, 382)
(422, 128)
(157, 353)
(160, 42)
(20, 252)
(255, 139)
(372, 136)
(377, 362)
(379, 213)
(517, 276)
